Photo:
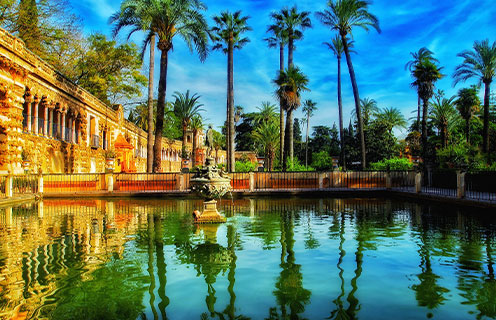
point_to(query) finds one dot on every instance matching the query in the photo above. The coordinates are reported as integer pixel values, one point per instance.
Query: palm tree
(343, 16)
(479, 64)
(467, 104)
(266, 112)
(444, 117)
(279, 38)
(290, 84)
(227, 36)
(391, 118)
(308, 108)
(336, 45)
(165, 19)
(219, 143)
(418, 57)
(266, 135)
(127, 17)
(185, 109)
(196, 125)
(426, 73)
(293, 24)
(368, 109)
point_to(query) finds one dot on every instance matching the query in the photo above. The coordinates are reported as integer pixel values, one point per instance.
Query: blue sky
(446, 27)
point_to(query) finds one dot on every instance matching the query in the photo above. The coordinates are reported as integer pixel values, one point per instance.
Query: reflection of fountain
(210, 183)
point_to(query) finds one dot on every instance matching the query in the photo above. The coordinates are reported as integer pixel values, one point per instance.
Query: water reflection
(274, 259)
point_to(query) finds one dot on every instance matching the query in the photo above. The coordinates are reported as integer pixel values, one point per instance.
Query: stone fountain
(210, 183)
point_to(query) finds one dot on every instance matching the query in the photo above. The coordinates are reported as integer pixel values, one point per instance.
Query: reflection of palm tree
(151, 288)
(161, 267)
(340, 312)
(289, 287)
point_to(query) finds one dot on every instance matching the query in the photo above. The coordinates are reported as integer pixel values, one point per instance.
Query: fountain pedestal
(210, 183)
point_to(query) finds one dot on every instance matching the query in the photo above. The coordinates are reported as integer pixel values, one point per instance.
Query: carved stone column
(62, 127)
(45, 119)
(28, 100)
(59, 124)
(35, 118)
(73, 131)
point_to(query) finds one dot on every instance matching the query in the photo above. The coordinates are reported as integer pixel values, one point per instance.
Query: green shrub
(297, 166)
(245, 166)
(322, 161)
(392, 164)
(453, 156)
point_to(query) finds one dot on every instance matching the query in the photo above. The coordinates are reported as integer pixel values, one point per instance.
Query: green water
(273, 259)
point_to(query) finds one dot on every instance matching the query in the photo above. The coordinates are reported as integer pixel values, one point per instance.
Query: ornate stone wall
(60, 125)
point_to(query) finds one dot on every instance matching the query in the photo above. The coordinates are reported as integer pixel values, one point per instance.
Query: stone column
(418, 182)
(50, 123)
(460, 184)
(252, 181)
(388, 180)
(9, 184)
(29, 117)
(62, 127)
(73, 133)
(36, 104)
(45, 124)
(40, 181)
(59, 124)
(321, 180)
(110, 182)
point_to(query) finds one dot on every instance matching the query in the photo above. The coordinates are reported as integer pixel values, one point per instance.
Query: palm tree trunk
(162, 88)
(149, 148)
(193, 162)
(288, 153)
(342, 159)
(290, 48)
(485, 130)
(231, 107)
(419, 103)
(357, 100)
(444, 136)
(281, 107)
(424, 130)
(306, 142)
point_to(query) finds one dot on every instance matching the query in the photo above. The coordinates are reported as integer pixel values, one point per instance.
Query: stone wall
(58, 125)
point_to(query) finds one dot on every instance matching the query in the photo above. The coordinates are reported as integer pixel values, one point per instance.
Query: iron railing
(480, 185)
(286, 180)
(440, 182)
(3, 186)
(146, 182)
(70, 183)
(403, 180)
(25, 184)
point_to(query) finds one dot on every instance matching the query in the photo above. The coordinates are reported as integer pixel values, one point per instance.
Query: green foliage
(244, 138)
(322, 161)
(109, 71)
(295, 165)
(454, 155)
(245, 166)
(392, 164)
(381, 143)
(325, 139)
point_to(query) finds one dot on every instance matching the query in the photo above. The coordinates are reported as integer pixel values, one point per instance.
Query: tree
(444, 117)
(28, 26)
(266, 136)
(391, 118)
(418, 57)
(196, 125)
(467, 104)
(308, 108)
(324, 139)
(185, 109)
(266, 112)
(343, 16)
(479, 64)
(244, 138)
(336, 46)
(165, 19)
(426, 73)
(368, 108)
(290, 84)
(142, 23)
(279, 38)
(109, 71)
(219, 143)
(227, 36)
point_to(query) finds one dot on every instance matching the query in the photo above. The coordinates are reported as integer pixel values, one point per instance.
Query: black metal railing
(440, 182)
(72, 183)
(285, 180)
(25, 184)
(3, 186)
(403, 180)
(480, 185)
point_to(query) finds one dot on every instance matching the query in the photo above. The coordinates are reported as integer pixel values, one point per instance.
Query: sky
(446, 27)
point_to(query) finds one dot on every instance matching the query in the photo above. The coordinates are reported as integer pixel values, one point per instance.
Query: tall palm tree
(165, 19)
(293, 24)
(185, 109)
(291, 82)
(138, 19)
(266, 135)
(196, 125)
(279, 39)
(391, 118)
(418, 57)
(227, 36)
(308, 108)
(343, 16)
(336, 46)
(426, 73)
(444, 117)
(479, 64)
(266, 112)
(467, 104)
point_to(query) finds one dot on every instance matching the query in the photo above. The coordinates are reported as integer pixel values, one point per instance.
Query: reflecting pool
(273, 259)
